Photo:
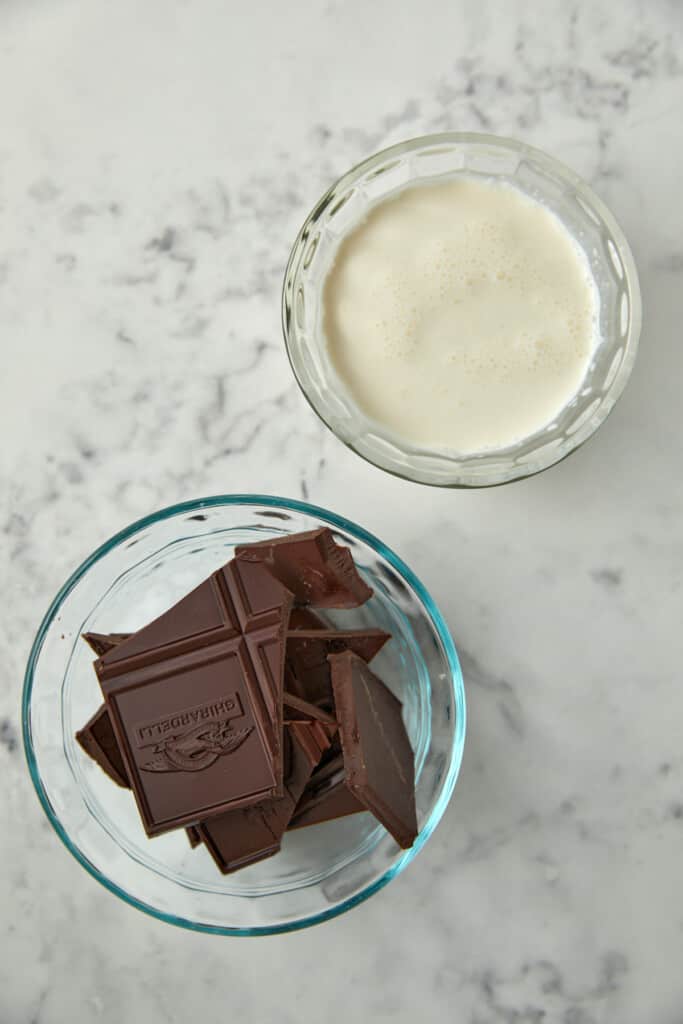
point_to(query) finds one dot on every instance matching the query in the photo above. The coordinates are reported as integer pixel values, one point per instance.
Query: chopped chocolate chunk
(98, 740)
(316, 569)
(378, 759)
(297, 709)
(306, 665)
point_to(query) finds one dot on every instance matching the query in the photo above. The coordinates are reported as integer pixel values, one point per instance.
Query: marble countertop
(156, 160)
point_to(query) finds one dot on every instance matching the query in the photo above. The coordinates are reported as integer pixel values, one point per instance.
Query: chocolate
(237, 715)
(312, 566)
(99, 742)
(307, 670)
(195, 699)
(103, 642)
(193, 836)
(97, 737)
(326, 796)
(378, 759)
(296, 709)
(251, 834)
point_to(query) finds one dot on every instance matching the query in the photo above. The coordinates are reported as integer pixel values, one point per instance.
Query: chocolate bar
(378, 759)
(312, 566)
(98, 740)
(296, 709)
(307, 670)
(199, 685)
(242, 837)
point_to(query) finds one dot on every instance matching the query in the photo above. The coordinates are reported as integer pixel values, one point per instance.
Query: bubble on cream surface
(460, 315)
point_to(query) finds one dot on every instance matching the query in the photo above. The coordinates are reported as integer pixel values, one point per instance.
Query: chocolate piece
(297, 709)
(193, 836)
(326, 796)
(103, 642)
(238, 843)
(306, 665)
(195, 699)
(253, 833)
(312, 566)
(378, 759)
(98, 740)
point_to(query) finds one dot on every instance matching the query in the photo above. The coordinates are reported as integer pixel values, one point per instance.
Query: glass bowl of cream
(461, 310)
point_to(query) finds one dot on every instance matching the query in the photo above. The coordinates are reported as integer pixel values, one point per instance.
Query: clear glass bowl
(439, 157)
(321, 871)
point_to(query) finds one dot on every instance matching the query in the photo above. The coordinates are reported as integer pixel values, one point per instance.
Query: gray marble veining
(156, 162)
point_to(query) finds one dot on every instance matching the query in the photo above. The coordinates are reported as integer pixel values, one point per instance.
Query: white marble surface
(156, 159)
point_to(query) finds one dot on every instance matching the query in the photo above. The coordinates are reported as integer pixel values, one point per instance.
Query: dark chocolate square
(195, 701)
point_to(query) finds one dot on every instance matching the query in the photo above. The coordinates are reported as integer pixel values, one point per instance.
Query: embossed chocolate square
(195, 700)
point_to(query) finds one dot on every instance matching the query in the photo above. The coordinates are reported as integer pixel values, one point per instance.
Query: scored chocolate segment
(103, 642)
(326, 797)
(195, 700)
(245, 836)
(316, 569)
(307, 667)
(98, 741)
(378, 759)
(200, 618)
(299, 619)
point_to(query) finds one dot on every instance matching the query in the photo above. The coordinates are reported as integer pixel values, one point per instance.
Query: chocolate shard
(316, 569)
(326, 796)
(195, 699)
(193, 836)
(306, 665)
(251, 834)
(103, 642)
(98, 741)
(296, 709)
(378, 759)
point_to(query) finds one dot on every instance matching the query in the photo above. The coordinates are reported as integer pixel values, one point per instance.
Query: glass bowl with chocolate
(243, 715)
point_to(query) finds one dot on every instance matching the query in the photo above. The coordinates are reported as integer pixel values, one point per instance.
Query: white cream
(460, 315)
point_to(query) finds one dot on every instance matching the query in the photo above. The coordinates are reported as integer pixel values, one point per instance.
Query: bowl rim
(495, 478)
(328, 518)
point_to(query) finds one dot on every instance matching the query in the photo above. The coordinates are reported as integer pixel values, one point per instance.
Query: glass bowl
(436, 158)
(322, 870)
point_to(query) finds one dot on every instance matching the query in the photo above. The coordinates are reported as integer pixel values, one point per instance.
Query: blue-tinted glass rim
(331, 519)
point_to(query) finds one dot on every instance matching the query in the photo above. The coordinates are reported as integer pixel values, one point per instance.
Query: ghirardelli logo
(222, 710)
(196, 749)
